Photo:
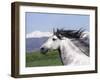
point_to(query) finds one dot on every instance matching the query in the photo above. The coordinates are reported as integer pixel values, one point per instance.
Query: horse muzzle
(43, 50)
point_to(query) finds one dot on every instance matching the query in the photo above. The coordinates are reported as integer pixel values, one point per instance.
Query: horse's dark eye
(53, 39)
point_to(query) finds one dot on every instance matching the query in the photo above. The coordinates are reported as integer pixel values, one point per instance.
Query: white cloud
(38, 34)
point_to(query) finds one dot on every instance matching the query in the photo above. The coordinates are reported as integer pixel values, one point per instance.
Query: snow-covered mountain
(34, 44)
(38, 34)
(35, 39)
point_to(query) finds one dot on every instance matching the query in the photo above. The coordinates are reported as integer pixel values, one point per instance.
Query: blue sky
(47, 21)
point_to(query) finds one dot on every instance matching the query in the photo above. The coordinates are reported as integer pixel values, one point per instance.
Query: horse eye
(53, 39)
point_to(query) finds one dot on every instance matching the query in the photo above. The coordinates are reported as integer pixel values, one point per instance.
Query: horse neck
(68, 46)
(68, 51)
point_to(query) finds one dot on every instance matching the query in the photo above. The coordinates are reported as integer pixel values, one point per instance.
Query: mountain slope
(34, 44)
(35, 39)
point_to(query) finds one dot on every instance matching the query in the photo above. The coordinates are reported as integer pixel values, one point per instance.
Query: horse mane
(75, 35)
(69, 33)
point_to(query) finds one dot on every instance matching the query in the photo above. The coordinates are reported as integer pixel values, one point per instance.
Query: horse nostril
(42, 48)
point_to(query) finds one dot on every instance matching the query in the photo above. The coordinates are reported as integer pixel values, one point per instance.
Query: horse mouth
(43, 50)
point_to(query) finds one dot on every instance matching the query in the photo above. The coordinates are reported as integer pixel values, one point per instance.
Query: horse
(71, 45)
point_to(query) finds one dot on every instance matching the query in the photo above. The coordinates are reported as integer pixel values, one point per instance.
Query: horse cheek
(49, 44)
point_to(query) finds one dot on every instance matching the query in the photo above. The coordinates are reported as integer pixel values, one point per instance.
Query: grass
(37, 59)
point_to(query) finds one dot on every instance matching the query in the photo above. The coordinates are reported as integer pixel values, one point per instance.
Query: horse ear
(53, 30)
(57, 30)
(58, 34)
